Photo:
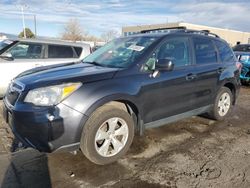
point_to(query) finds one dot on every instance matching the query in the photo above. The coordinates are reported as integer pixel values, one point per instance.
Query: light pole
(35, 24)
(24, 31)
(23, 6)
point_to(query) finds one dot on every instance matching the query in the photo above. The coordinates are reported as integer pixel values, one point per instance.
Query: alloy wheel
(224, 104)
(111, 137)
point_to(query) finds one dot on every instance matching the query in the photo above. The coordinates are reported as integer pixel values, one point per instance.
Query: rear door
(208, 70)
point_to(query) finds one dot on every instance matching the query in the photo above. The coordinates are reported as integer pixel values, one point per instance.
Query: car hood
(64, 73)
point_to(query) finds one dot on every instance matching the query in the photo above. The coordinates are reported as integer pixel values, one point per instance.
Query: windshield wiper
(94, 63)
(99, 64)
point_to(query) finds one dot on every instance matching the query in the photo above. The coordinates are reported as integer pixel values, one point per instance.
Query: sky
(99, 16)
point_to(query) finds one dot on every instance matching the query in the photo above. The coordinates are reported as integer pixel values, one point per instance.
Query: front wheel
(107, 135)
(222, 105)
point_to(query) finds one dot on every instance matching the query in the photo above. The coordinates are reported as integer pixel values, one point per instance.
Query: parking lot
(194, 152)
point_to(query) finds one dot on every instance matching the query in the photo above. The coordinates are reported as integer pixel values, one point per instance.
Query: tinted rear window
(78, 51)
(56, 51)
(225, 52)
(204, 51)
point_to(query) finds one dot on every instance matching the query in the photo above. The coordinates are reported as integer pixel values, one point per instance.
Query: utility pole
(35, 24)
(24, 31)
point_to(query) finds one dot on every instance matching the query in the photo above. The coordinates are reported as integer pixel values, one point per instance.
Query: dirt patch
(195, 152)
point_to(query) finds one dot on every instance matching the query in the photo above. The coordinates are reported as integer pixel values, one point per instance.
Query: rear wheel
(107, 135)
(245, 83)
(222, 105)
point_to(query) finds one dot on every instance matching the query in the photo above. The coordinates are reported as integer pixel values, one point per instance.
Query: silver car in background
(24, 54)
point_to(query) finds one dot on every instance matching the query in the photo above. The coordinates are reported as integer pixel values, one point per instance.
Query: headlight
(52, 95)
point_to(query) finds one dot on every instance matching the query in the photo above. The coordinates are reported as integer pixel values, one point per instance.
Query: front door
(25, 56)
(169, 93)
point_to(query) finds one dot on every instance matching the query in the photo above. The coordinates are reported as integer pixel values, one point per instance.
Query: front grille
(14, 92)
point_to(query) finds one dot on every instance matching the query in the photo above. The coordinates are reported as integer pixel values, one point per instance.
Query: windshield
(5, 43)
(121, 52)
(242, 48)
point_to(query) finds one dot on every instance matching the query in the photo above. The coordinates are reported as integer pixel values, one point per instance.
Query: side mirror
(7, 56)
(164, 65)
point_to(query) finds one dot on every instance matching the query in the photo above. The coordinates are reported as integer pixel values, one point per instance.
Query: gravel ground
(194, 152)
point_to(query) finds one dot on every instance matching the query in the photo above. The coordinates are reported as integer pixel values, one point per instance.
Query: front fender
(113, 97)
(93, 95)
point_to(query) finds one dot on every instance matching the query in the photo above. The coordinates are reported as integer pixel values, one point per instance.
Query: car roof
(177, 33)
(241, 53)
(243, 45)
(55, 42)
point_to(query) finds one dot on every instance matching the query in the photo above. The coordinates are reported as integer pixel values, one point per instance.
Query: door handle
(220, 70)
(191, 76)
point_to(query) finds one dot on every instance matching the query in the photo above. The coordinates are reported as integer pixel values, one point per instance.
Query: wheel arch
(124, 102)
(232, 88)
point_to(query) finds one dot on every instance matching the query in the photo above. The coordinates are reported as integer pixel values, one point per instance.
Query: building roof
(231, 36)
(175, 24)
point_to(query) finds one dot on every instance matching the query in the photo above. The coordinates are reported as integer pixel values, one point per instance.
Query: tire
(244, 83)
(217, 113)
(97, 141)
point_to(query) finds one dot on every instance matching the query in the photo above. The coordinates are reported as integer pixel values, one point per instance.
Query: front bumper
(46, 129)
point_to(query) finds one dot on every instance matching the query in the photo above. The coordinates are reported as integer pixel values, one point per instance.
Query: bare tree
(109, 35)
(91, 38)
(73, 31)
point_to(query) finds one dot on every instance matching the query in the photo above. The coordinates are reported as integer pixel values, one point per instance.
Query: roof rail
(164, 28)
(183, 29)
(202, 32)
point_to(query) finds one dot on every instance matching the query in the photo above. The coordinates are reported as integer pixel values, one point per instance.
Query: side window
(57, 51)
(225, 52)
(205, 52)
(78, 51)
(244, 58)
(176, 49)
(26, 51)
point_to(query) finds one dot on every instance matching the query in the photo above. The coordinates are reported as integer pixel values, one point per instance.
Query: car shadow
(30, 168)
(27, 168)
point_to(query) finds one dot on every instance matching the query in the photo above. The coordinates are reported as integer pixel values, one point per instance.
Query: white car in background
(24, 54)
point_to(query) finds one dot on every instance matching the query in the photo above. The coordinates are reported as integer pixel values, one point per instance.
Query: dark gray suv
(130, 84)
